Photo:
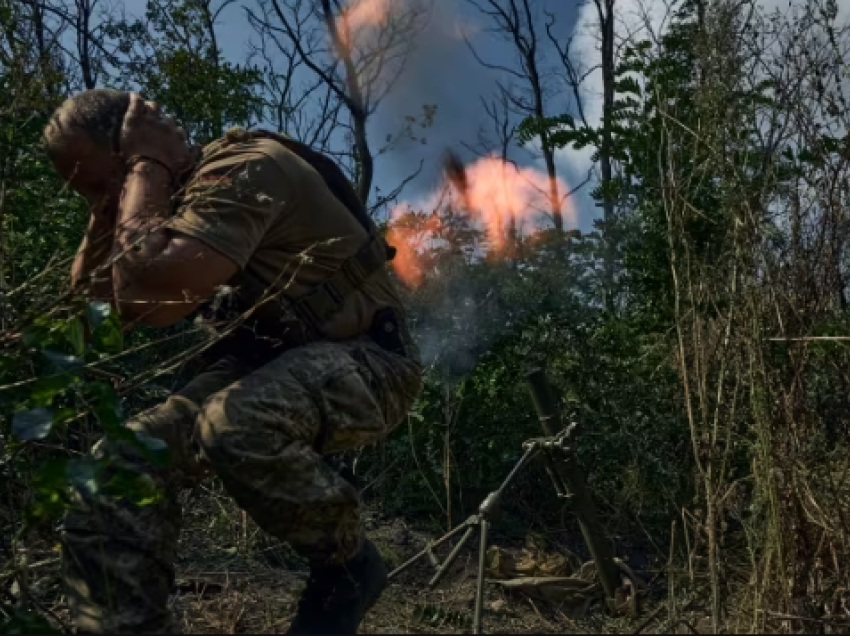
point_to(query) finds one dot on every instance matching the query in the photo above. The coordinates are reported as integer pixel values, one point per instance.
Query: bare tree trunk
(214, 58)
(515, 20)
(84, 11)
(355, 103)
(43, 53)
(551, 170)
(605, 9)
(499, 112)
(528, 46)
(539, 113)
(358, 71)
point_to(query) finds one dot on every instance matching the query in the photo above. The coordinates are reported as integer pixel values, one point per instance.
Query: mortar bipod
(552, 449)
(567, 480)
(488, 512)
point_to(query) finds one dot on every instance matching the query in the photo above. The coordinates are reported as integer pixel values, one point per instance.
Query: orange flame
(495, 195)
(410, 236)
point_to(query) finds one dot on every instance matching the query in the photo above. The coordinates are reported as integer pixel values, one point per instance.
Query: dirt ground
(260, 595)
(233, 578)
(227, 588)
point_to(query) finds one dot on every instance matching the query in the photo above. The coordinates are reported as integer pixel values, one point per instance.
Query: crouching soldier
(318, 361)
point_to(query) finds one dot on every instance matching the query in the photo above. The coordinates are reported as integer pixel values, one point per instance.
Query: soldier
(321, 360)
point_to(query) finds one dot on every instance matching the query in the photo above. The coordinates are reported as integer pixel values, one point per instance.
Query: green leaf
(138, 489)
(34, 335)
(155, 449)
(82, 475)
(61, 416)
(96, 312)
(33, 424)
(76, 335)
(8, 366)
(25, 621)
(46, 388)
(107, 409)
(50, 487)
(108, 336)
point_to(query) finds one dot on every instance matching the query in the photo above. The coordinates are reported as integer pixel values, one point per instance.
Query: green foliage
(175, 60)
(481, 322)
(58, 392)
(24, 621)
(717, 242)
(612, 379)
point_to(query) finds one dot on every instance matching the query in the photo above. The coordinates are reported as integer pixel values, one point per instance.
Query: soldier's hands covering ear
(147, 133)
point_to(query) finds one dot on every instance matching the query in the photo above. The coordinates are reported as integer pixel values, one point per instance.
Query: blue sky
(441, 71)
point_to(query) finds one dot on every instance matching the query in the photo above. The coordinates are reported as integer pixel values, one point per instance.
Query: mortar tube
(582, 503)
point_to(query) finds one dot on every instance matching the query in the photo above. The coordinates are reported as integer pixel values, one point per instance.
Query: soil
(261, 595)
(232, 578)
(258, 592)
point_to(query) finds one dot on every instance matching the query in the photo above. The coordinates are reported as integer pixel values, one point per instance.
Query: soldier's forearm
(89, 274)
(140, 237)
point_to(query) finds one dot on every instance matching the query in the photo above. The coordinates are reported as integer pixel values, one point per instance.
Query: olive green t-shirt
(269, 211)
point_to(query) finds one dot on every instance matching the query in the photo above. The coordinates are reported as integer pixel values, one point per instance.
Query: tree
(174, 58)
(297, 102)
(34, 221)
(499, 142)
(525, 90)
(356, 52)
(576, 73)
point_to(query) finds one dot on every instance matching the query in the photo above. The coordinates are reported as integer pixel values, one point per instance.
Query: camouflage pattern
(264, 433)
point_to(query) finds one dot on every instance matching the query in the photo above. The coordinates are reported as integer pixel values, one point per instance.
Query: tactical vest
(295, 321)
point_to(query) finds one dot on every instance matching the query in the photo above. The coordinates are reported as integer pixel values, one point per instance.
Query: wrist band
(132, 161)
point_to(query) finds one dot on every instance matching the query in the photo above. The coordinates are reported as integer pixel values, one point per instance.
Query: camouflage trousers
(264, 433)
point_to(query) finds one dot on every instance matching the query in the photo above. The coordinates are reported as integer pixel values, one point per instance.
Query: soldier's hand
(146, 132)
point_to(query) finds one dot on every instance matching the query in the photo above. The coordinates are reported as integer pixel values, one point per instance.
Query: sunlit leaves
(96, 312)
(45, 389)
(76, 335)
(105, 405)
(50, 491)
(108, 336)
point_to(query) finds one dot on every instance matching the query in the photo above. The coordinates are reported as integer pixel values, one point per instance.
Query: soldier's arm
(160, 276)
(88, 275)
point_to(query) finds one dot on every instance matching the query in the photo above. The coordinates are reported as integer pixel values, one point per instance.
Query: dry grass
(232, 578)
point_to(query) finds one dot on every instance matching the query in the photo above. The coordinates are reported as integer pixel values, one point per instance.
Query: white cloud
(638, 19)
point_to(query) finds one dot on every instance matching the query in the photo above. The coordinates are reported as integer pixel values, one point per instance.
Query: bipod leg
(426, 551)
(441, 570)
(487, 513)
(560, 488)
(479, 592)
(530, 451)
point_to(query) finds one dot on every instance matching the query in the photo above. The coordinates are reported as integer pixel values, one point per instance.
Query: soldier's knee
(175, 416)
(248, 423)
(172, 422)
(214, 427)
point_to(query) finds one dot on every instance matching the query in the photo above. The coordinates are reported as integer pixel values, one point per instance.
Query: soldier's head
(82, 141)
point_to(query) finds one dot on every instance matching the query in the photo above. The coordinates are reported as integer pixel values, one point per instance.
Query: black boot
(337, 597)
